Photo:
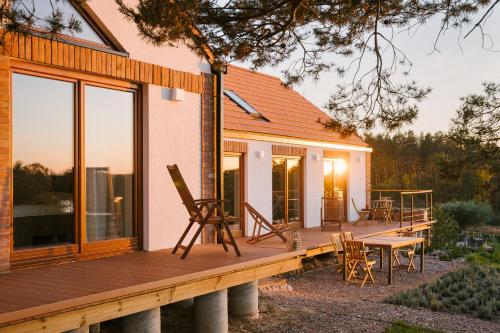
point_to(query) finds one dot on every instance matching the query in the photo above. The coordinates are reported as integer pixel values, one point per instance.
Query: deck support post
(244, 301)
(84, 329)
(95, 328)
(210, 312)
(148, 321)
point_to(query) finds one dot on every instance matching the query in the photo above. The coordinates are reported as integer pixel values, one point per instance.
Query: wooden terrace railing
(414, 205)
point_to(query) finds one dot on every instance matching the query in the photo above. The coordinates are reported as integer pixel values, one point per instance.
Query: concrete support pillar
(244, 301)
(210, 312)
(142, 322)
(84, 329)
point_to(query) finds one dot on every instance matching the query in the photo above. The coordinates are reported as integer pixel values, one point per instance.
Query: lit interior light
(339, 166)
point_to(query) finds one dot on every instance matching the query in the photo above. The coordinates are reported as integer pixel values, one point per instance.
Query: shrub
(445, 232)
(468, 213)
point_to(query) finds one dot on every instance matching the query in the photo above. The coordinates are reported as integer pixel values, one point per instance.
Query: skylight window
(42, 10)
(244, 105)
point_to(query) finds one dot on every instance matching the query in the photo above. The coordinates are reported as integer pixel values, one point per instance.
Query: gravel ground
(321, 302)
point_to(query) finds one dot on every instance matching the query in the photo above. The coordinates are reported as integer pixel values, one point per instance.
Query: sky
(451, 73)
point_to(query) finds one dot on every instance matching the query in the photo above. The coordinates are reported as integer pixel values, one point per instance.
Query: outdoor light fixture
(174, 94)
(315, 157)
(259, 154)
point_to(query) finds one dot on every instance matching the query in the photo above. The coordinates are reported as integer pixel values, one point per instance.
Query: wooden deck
(63, 297)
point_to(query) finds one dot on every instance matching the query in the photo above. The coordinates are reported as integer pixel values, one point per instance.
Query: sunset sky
(452, 73)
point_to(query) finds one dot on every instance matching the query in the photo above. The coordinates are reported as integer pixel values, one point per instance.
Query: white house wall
(357, 183)
(258, 182)
(171, 130)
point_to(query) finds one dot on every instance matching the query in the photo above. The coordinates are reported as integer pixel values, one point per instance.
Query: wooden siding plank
(109, 64)
(48, 51)
(28, 54)
(127, 69)
(141, 71)
(15, 45)
(53, 52)
(66, 55)
(35, 52)
(113, 65)
(78, 55)
(93, 57)
(71, 56)
(22, 48)
(60, 54)
(88, 60)
(132, 70)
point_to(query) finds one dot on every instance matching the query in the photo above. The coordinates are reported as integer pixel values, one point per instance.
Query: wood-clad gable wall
(289, 151)
(85, 59)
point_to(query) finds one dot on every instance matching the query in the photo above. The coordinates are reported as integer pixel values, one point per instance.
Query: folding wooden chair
(357, 262)
(410, 252)
(202, 211)
(332, 213)
(363, 214)
(262, 223)
(337, 247)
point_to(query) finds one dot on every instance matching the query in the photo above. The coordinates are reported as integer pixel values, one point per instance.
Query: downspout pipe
(219, 129)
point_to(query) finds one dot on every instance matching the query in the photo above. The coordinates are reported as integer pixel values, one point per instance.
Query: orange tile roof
(290, 114)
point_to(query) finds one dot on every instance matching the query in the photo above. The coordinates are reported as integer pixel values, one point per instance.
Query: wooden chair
(410, 252)
(202, 211)
(363, 215)
(332, 213)
(337, 247)
(357, 262)
(262, 223)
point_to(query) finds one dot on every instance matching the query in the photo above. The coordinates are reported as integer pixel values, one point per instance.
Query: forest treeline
(433, 161)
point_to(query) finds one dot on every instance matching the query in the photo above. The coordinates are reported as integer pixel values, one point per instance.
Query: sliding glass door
(109, 163)
(287, 190)
(74, 162)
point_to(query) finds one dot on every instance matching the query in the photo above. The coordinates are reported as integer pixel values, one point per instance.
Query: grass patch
(473, 290)
(402, 327)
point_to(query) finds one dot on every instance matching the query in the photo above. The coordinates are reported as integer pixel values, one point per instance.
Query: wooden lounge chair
(409, 251)
(357, 262)
(262, 223)
(202, 211)
(332, 213)
(363, 215)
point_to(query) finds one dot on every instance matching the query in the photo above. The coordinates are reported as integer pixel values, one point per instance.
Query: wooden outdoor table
(390, 243)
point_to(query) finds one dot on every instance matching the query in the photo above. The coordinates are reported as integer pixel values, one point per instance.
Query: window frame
(241, 157)
(79, 248)
(286, 189)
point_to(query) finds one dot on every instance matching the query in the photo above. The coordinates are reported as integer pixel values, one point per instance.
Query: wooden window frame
(241, 157)
(80, 249)
(302, 186)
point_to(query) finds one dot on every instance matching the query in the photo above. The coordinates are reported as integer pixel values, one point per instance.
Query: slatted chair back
(333, 209)
(354, 250)
(184, 193)
(346, 236)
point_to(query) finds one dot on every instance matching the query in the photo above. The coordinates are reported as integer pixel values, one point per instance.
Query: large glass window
(109, 162)
(233, 186)
(43, 156)
(287, 190)
(47, 150)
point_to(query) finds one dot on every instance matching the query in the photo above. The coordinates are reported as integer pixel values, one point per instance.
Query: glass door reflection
(43, 161)
(109, 163)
